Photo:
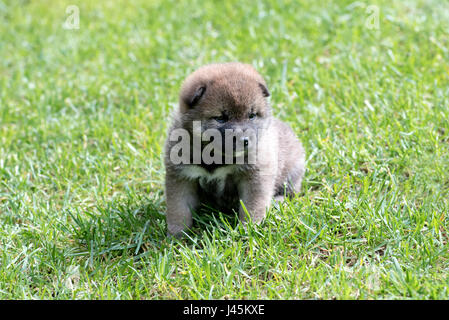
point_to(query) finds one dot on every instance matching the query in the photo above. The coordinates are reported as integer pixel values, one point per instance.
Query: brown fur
(237, 91)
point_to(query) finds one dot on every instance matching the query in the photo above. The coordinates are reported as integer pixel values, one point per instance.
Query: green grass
(83, 121)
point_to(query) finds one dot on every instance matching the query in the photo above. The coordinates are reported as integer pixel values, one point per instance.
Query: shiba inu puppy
(224, 147)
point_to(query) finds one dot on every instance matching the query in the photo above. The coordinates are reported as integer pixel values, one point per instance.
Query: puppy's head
(228, 96)
(234, 87)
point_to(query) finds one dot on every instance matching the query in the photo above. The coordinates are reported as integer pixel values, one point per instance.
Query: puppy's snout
(245, 141)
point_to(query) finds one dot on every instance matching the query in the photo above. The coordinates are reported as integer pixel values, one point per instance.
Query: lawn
(83, 119)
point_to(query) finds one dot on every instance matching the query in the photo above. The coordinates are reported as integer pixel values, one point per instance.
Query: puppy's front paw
(175, 231)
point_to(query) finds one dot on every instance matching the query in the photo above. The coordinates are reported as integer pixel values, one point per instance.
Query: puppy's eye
(252, 116)
(221, 119)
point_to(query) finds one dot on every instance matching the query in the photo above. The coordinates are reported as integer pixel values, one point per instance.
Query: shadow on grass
(135, 229)
(207, 219)
(118, 228)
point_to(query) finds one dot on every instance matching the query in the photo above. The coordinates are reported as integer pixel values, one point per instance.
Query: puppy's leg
(295, 177)
(279, 198)
(181, 198)
(256, 195)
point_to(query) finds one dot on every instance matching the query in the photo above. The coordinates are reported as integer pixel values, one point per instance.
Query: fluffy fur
(231, 96)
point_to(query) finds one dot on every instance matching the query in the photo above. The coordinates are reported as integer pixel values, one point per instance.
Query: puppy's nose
(245, 141)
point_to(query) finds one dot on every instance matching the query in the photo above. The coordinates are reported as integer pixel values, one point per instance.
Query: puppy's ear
(264, 89)
(192, 99)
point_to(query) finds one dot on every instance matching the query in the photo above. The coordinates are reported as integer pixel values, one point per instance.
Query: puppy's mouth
(237, 154)
(234, 153)
(234, 150)
(237, 149)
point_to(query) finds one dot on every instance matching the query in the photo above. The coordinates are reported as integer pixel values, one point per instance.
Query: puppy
(225, 148)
